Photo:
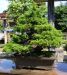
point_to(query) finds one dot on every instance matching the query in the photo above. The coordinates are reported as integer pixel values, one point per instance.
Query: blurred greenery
(61, 17)
(1, 26)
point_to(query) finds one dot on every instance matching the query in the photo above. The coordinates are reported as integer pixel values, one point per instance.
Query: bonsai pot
(35, 62)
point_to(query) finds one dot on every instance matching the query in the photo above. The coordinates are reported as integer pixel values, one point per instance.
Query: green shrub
(13, 47)
(33, 30)
(8, 48)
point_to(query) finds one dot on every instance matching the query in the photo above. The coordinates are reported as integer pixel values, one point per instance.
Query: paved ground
(55, 71)
(35, 72)
(60, 72)
(41, 72)
(59, 69)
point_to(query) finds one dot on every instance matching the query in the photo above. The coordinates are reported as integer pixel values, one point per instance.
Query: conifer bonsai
(33, 33)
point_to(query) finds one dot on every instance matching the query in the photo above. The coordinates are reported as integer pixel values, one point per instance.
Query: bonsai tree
(33, 33)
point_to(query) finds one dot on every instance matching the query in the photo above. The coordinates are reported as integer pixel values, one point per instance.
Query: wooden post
(51, 11)
(5, 37)
(8, 37)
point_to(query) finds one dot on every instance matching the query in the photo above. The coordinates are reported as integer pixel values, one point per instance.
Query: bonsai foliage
(17, 7)
(33, 30)
(16, 48)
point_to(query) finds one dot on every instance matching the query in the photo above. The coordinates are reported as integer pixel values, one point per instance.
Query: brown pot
(34, 62)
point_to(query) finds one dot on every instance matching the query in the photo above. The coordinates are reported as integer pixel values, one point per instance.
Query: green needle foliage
(33, 32)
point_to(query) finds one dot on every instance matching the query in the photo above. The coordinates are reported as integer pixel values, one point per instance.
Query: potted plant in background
(32, 35)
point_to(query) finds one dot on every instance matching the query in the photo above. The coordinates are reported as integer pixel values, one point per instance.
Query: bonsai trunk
(37, 49)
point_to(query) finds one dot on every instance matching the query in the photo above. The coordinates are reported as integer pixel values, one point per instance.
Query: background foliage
(61, 17)
(1, 25)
